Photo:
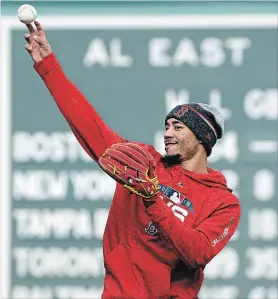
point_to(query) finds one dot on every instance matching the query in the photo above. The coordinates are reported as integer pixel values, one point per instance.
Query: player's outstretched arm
(92, 133)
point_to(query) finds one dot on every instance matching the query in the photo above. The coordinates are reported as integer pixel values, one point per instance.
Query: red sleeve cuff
(47, 65)
(158, 211)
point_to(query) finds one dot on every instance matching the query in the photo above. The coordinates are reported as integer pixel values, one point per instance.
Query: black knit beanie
(205, 121)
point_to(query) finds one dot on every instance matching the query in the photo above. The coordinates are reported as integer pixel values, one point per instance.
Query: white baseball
(27, 13)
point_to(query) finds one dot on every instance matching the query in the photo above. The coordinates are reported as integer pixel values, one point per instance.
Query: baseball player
(170, 215)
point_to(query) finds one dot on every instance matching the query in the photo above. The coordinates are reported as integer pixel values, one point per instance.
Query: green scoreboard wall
(134, 69)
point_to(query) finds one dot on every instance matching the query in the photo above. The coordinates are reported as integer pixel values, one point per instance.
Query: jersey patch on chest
(176, 197)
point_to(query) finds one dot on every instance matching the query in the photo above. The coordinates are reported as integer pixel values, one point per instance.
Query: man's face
(179, 140)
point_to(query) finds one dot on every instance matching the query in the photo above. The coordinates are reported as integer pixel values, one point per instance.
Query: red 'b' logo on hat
(181, 111)
(209, 136)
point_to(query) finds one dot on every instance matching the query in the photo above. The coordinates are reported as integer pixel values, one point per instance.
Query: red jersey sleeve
(86, 124)
(196, 246)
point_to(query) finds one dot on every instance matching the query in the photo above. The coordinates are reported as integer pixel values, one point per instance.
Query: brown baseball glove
(132, 166)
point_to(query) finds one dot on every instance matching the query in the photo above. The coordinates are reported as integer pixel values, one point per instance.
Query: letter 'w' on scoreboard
(51, 228)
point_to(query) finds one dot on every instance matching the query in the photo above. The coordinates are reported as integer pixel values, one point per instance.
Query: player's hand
(133, 167)
(37, 44)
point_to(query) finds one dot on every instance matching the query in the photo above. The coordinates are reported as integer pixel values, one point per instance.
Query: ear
(198, 141)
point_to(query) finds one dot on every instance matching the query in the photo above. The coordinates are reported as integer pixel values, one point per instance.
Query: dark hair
(171, 160)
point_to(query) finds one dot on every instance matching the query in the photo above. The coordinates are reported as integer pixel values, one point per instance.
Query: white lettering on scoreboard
(212, 52)
(44, 185)
(41, 262)
(59, 223)
(42, 147)
(80, 220)
(261, 104)
(58, 292)
(262, 263)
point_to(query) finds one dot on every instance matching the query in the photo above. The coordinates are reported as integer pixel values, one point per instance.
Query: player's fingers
(28, 38)
(28, 47)
(40, 40)
(39, 28)
(31, 29)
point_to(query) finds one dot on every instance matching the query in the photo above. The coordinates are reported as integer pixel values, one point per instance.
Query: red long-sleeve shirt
(159, 251)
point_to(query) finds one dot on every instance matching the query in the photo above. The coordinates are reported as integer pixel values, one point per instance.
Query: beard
(188, 150)
(172, 160)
